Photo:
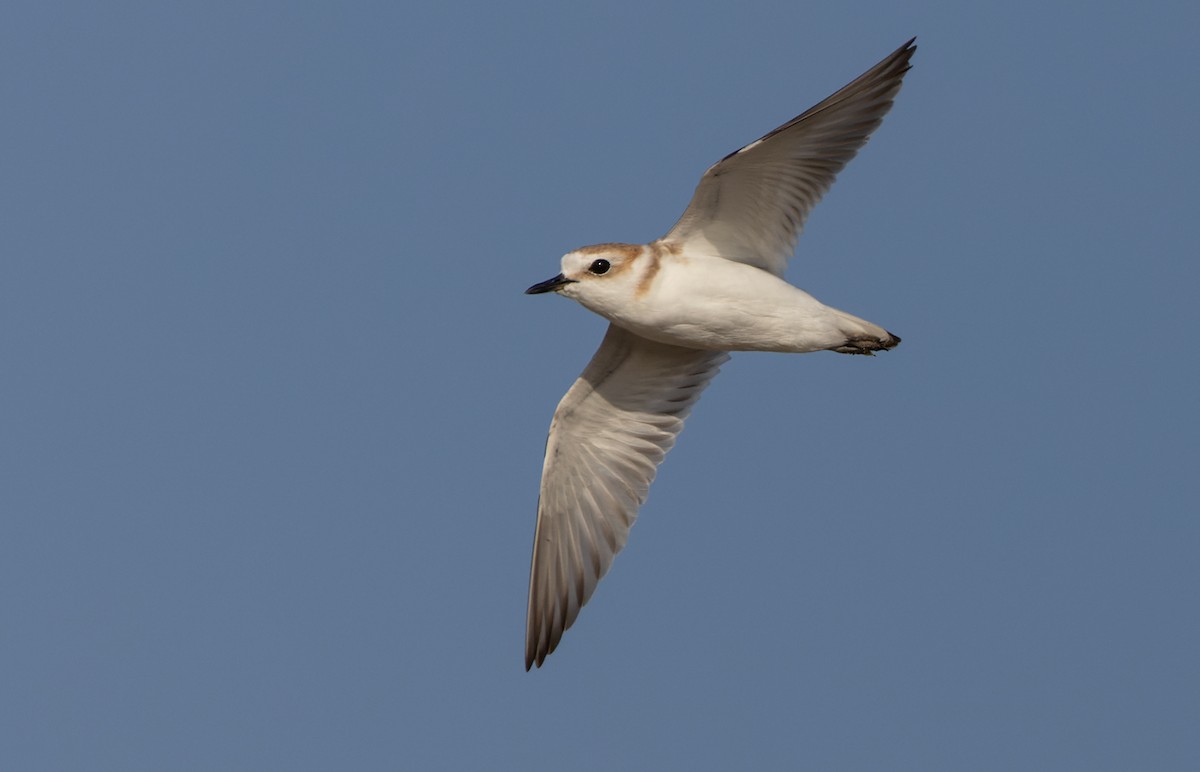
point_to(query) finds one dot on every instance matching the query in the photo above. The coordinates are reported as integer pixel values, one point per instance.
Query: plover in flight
(675, 306)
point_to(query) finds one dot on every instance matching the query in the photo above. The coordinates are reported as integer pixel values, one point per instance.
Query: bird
(676, 307)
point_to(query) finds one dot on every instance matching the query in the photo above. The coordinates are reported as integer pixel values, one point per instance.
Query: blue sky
(274, 403)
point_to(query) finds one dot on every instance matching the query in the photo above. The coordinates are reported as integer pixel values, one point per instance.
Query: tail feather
(863, 337)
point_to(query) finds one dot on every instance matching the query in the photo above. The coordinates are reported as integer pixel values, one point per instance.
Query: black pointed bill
(549, 285)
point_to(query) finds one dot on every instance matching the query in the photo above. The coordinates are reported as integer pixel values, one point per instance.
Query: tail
(862, 337)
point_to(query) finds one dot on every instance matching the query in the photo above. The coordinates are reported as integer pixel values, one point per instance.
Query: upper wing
(608, 436)
(751, 205)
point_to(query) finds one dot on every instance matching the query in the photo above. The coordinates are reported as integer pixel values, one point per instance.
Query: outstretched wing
(751, 205)
(608, 436)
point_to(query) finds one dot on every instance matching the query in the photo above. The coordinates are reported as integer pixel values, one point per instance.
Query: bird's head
(599, 276)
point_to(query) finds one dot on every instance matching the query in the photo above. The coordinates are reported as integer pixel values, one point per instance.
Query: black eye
(599, 266)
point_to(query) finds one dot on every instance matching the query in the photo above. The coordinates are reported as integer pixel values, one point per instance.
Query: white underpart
(711, 303)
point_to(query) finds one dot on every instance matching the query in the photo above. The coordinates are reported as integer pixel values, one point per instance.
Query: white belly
(716, 304)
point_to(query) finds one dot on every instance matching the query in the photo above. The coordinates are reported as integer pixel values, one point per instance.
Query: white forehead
(573, 262)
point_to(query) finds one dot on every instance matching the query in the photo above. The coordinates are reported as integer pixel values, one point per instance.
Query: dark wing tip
(889, 69)
(535, 655)
(905, 52)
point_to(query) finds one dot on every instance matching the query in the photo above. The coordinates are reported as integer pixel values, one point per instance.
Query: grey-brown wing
(607, 438)
(751, 205)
